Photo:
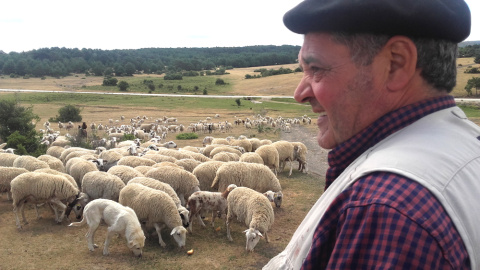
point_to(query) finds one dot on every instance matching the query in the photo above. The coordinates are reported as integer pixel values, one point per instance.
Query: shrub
(123, 86)
(219, 82)
(238, 101)
(67, 113)
(173, 76)
(187, 136)
(110, 81)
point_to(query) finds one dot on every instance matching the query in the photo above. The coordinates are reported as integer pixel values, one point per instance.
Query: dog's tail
(78, 224)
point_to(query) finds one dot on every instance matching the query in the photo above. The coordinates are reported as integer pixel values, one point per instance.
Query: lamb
(53, 162)
(125, 173)
(35, 187)
(254, 210)
(134, 161)
(183, 182)
(155, 184)
(7, 174)
(205, 174)
(255, 176)
(270, 156)
(119, 218)
(226, 157)
(188, 163)
(7, 159)
(202, 201)
(251, 157)
(30, 163)
(156, 209)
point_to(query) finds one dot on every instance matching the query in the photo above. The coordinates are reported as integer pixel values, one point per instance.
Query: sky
(120, 24)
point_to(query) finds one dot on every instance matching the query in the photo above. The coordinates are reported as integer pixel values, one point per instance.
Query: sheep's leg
(36, 211)
(291, 166)
(182, 199)
(62, 206)
(9, 195)
(159, 228)
(214, 213)
(227, 224)
(15, 210)
(266, 237)
(22, 210)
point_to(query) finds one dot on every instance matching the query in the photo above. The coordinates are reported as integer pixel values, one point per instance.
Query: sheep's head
(253, 236)
(179, 233)
(184, 214)
(275, 197)
(170, 144)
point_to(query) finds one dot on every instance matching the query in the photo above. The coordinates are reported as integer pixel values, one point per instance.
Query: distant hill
(466, 43)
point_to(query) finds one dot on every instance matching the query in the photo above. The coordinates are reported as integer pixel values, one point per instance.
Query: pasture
(42, 244)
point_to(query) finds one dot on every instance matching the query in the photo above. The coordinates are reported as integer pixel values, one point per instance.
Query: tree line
(59, 62)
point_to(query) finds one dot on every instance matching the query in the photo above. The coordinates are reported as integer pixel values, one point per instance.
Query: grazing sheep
(220, 141)
(205, 174)
(6, 176)
(134, 161)
(285, 153)
(60, 142)
(52, 171)
(255, 176)
(245, 143)
(174, 153)
(143, 169)
(188, 164)
(254, 210)
(125, 173)
(70, 150)
(198, 156)
(35, 188)
(102, 185)
(53, 162)
(7, 159)
(300, 155)
(55, 151)
(227, 149)
(269, 154)
(79, 167)
(251, 157)
(159, 158)
(156, 208)
(203, 201)
(155, 184)
(183, 182)
(119, 219)
(189, 148)
(226, 157)
(110, 156)
(167, 163)
(255, 143)
(30, 163)
(83, 154)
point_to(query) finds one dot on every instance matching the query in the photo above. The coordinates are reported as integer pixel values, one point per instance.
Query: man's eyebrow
(309, 59)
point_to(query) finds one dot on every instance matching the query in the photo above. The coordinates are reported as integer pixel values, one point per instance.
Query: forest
(59, 62)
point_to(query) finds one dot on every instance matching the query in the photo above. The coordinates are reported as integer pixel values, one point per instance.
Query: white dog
(120, 219)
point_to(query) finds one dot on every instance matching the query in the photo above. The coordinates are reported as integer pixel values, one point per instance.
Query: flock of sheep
(232, 178)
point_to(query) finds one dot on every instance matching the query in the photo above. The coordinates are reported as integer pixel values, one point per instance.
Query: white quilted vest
(440, 151)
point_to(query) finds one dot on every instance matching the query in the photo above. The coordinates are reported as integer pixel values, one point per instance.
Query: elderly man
(403, 185)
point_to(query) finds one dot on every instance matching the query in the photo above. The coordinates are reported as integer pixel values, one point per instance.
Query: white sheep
(204, 201)
(188, 164)
(126, 173)
(110, 156)
(156, 209)
(244, 143)
(78, 167)
(55, 151)
(197, 156)
(102, 185)
(30, 163)
(205, 174)
(143, 169)
(300, 154)
(227, 149)
(158, 185)
(226, 157)
(173, 153)
(53, 162)
(285, 153)
(52, 171)
(6, 176)
(183, 182)
(134, 161)
(159, 158)
(255, 176)
(251, 157)
(35, 188)
(254, 210)
(270, 156)
(7, 159)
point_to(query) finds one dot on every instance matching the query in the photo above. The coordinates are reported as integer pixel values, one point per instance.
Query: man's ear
(402, 54)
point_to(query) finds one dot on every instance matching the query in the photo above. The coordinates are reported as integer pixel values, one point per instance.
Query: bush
(67, 113)
(26, 145)
(123, 86)
(187, 136)
(173, 76)
(110, 81)
(238, 101)
(219, 82)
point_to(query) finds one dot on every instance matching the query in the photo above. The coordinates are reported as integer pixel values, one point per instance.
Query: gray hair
(436, 58)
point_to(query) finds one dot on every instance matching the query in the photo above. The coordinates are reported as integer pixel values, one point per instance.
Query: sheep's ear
(260, 234)
(173, 231)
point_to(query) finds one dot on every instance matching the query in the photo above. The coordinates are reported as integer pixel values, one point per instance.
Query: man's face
(339, 91)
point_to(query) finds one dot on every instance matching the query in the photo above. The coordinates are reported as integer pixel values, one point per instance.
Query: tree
(17, 127)
(123, 86)
(130, 69)
(68, 113)
(238, 101)
(219, 82)
(474, 82)
(109, 81)
(9, 67)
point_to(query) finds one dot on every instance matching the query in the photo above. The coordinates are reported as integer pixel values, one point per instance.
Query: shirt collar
(345, 153)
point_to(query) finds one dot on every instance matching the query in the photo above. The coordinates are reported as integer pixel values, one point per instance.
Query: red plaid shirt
(384, 220)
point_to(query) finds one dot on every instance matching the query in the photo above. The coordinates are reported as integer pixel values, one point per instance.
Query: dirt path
(316, 156)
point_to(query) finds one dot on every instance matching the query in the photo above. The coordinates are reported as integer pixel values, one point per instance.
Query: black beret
(438, 19)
